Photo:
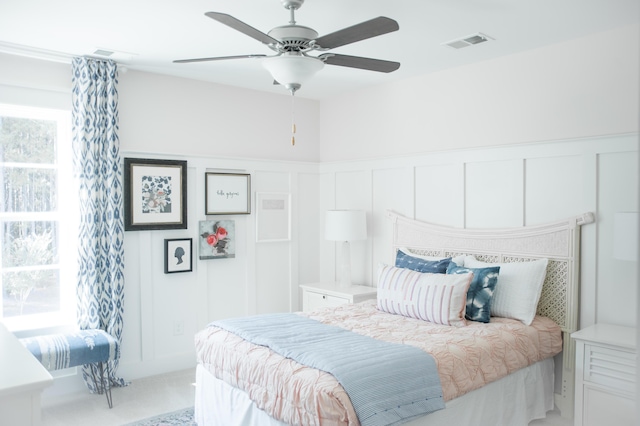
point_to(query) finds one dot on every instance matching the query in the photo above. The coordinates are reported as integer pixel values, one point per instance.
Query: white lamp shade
(625, 235)
(292, 69)
(346, 225)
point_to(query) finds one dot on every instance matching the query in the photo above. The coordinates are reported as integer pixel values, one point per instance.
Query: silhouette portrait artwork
(178, 255)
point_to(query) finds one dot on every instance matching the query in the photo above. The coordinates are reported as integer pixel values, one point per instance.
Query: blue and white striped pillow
(437, 298)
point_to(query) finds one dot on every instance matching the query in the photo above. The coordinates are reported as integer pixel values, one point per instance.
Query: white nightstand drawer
(320, 300)
(323, 295)
(608, 367)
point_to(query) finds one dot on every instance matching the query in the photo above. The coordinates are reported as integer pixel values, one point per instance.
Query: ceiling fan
(292, 65)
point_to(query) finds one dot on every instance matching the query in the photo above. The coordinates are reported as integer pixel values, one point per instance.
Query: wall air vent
(467, 41)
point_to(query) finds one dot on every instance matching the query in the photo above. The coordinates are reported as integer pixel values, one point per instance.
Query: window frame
(66, 215)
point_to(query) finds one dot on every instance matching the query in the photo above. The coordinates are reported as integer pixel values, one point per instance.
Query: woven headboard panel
(558, 241)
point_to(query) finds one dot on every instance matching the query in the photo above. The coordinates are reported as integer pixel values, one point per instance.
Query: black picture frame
(227, 193)
(178, 255)
(155, 194)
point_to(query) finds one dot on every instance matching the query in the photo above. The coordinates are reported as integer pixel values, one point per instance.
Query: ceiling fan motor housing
(294, 38)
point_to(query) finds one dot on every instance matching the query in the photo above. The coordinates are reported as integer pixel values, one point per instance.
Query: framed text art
(227, 193)
(273, 222)
(155, 194)
(178, 255)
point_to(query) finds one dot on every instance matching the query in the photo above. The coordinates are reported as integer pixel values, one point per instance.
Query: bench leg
(103, 369)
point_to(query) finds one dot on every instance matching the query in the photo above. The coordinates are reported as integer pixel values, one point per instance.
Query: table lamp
(345, 226)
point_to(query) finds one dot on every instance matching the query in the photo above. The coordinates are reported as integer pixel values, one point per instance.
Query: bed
(494, 370)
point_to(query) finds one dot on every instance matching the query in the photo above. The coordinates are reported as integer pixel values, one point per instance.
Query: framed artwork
(227, 193)
(155, 194)
(178, 255)
(217, 239)
(273, 221)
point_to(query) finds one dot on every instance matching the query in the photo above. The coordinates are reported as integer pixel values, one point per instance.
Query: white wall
(581, 88)
(171, 115)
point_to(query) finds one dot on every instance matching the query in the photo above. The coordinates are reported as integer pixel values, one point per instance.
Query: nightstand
(319, 295)
(605, 375)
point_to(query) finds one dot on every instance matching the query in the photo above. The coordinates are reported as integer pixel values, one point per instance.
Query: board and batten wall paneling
(617, 279)
(556, 182)
(392, 189)
(505, 187)
(439, 195)
(494, 194)
(228, 288)
(273, 285)
(328, 249)
(309, 216)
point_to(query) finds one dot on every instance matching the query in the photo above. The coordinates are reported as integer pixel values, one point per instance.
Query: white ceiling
(149, 35)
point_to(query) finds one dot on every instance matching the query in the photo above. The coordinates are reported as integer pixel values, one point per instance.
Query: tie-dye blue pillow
(406, 261)
(480, 291)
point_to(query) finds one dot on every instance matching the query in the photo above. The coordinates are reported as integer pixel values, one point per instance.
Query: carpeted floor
(144, 399)
(176, 418)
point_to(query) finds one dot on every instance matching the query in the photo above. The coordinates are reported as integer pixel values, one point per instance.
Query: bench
(64, 350)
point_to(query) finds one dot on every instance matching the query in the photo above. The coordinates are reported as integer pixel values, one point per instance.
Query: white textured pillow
(459, 260)
(518, 290)
(437, 298)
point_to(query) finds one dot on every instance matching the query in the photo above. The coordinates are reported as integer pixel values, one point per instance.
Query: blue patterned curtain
(98, 169)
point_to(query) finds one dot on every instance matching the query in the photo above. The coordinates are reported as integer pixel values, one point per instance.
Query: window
(37, 218)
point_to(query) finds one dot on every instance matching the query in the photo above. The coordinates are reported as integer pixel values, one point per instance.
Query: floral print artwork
(217, 239)
(156, 194)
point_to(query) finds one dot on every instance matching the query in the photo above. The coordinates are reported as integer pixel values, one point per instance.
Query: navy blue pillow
(480, 291)
(404, 260)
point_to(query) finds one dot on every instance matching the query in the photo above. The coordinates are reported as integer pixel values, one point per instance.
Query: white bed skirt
(514, 400)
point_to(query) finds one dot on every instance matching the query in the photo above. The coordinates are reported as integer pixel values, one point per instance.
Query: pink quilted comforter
(467, 358)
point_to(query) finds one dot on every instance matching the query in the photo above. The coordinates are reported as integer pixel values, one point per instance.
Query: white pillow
(459, 260)
(437, 298)
(518, 290)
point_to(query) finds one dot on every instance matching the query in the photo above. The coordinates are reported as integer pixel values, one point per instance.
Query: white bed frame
(557, 241)
(530, 389)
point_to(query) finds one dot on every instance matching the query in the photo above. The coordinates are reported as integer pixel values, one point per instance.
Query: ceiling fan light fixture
(292, 70)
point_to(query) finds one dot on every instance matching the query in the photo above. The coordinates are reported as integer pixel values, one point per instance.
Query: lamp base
(345, 266)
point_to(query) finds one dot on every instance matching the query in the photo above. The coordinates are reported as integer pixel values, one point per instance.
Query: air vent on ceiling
(467, 41)
(103, 52)
(112, 54)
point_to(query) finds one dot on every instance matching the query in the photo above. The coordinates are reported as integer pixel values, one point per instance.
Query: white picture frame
(273, 217)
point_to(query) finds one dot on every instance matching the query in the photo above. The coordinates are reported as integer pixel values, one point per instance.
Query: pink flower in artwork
(212, 240)
(221, 233)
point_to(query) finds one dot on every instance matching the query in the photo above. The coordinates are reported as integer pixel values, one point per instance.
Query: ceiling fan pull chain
(293, 120)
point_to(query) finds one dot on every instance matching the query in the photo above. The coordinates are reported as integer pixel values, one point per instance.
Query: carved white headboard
(558, 241)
